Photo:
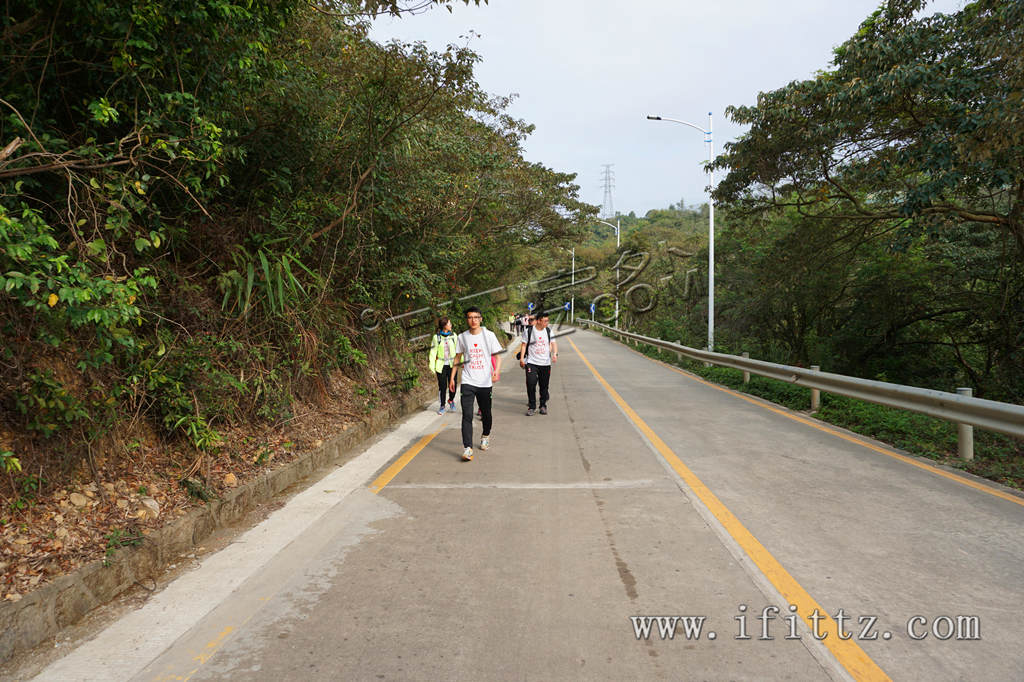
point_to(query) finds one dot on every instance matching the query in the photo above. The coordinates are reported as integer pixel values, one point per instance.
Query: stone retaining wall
(46, 611)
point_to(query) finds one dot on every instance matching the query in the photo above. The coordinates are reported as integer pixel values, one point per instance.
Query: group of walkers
(519, 323)
(470, 361)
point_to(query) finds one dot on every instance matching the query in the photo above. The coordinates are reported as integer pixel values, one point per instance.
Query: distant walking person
(537, 353)
(442, 360)
(476, 363)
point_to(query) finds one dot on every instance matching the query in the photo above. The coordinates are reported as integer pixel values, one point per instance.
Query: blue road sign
(530, 306)
(591, 308)
(566, 306)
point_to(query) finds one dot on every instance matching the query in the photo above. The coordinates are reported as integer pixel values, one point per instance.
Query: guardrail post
(815, 393)
(965, 432)
(986, 414)
(708, 349)
(679, 355)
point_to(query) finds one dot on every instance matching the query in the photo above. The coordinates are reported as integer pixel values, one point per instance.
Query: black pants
(483, 399)
(535, 374)
(443, 377)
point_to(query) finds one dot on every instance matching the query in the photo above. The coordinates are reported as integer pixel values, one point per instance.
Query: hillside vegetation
(871, 221)
(198, 202)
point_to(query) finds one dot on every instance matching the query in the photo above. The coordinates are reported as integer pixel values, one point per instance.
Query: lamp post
(616, 228)
(572, 305)
(711, 221)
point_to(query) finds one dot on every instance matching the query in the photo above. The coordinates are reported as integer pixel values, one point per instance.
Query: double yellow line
(847, 652)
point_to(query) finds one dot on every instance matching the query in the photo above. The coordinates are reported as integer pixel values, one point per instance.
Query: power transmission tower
(608, 206)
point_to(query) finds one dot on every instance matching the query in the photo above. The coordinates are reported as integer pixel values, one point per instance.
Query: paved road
(644, 493)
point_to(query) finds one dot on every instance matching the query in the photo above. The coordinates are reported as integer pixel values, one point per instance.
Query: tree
(919, 123)
(198, 200)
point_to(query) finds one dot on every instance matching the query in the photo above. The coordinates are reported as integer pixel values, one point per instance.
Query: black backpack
(529, 340)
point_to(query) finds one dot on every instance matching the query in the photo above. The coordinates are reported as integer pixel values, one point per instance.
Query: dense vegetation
(886, 199)
(199, 199)
(872, 219)
(871, 222)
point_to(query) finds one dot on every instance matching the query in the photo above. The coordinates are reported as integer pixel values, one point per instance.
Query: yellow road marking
(847, 652)
(203, 656)
(400, 463)
(211, 647)
(850, 439)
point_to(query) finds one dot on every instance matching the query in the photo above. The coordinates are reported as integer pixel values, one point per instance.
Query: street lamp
(616, 228)
(711, 221)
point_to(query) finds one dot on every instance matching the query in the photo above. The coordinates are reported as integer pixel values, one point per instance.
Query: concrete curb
(45, 612)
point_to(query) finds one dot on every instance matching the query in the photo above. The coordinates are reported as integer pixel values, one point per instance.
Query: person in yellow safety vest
(442, 358)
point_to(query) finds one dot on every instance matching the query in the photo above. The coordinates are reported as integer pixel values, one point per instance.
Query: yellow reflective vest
(436, 357)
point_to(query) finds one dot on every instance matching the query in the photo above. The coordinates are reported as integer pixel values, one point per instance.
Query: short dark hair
(540, 315)
(473, 309)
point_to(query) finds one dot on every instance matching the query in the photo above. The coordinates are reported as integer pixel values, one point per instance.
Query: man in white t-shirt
(476, 360)
(538, 352)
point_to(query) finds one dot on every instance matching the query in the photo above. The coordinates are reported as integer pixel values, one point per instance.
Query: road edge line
(853, 659)
(1009, 495)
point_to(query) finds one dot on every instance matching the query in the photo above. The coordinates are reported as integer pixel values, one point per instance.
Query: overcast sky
(587, 72)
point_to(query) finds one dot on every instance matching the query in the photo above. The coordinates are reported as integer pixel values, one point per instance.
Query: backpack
(529, 340)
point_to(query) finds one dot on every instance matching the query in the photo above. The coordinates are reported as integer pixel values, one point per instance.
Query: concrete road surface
(646, 500)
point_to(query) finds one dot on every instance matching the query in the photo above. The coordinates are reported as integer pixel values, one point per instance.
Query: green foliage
(871, 219)
(343, 354)
(48, 405)
(198, 200)
(8, 462)
(263, 454)
(272, 285)
(934, 312)
(917, 125)
(370, 396)
(405, 374)
(26, 489)
(67, 293)
(31, 485)
(118, 538)
(197, 489)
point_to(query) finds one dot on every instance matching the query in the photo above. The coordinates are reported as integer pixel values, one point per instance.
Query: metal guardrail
(960, 408)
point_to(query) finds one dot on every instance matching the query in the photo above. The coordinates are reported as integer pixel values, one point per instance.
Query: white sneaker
(467, 455)
(485, 442)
